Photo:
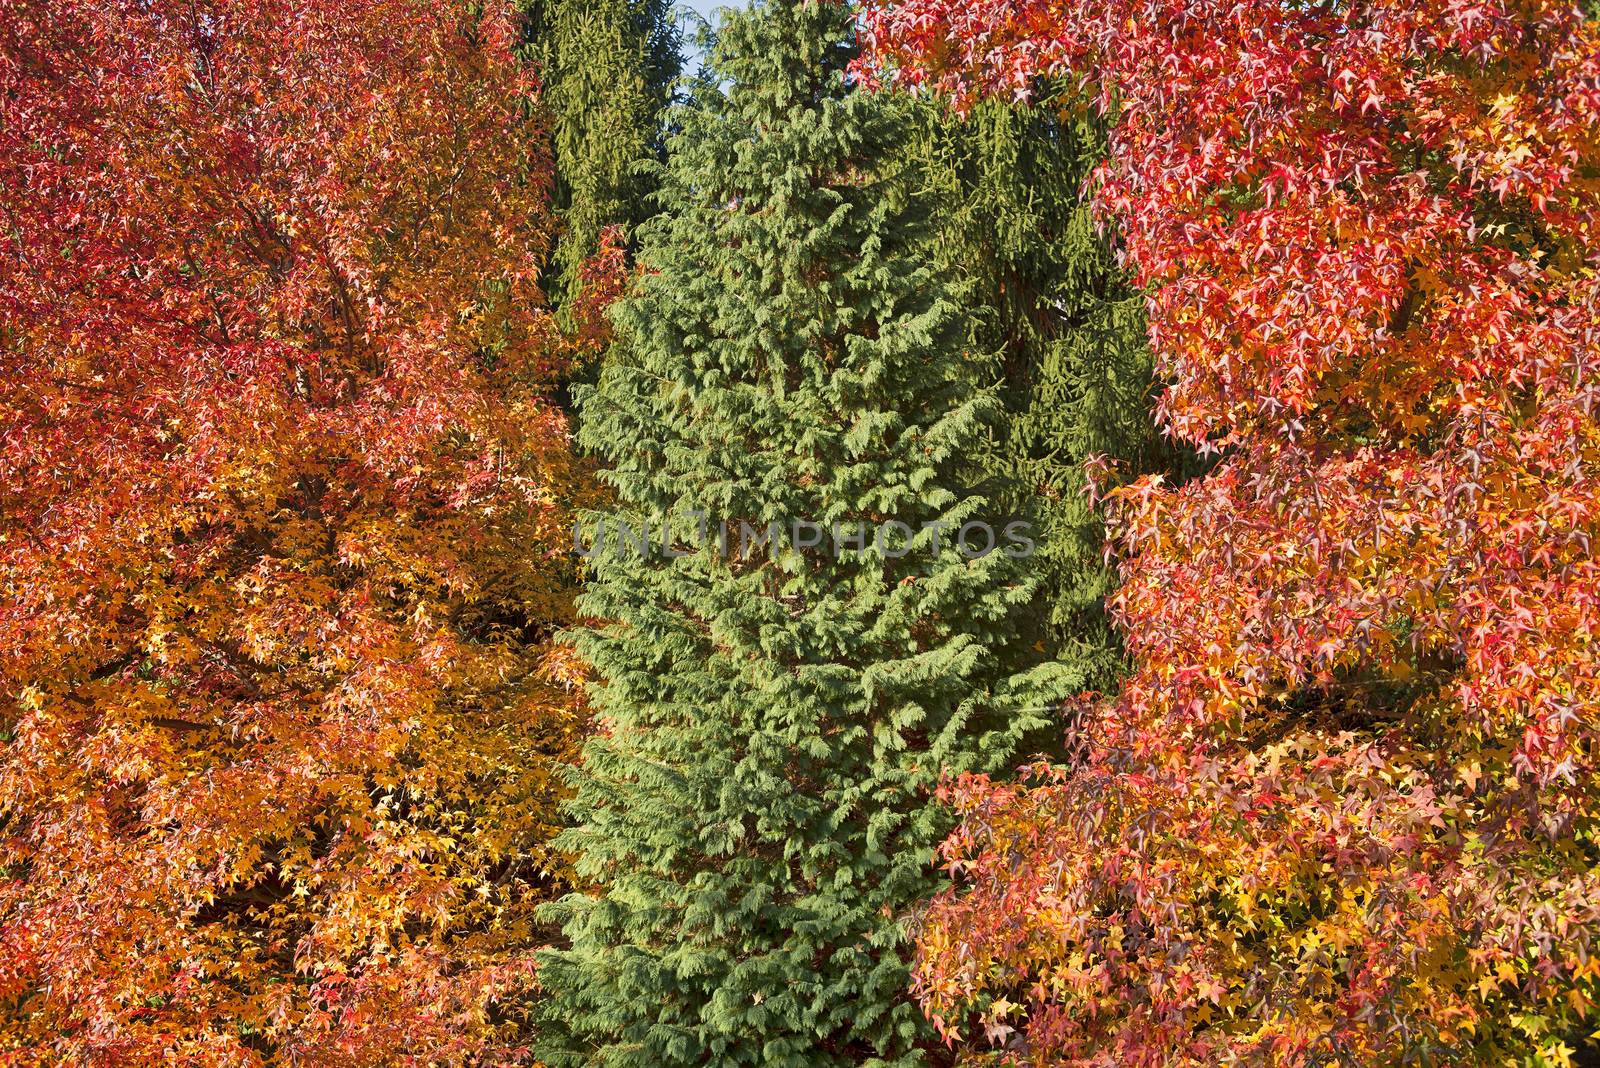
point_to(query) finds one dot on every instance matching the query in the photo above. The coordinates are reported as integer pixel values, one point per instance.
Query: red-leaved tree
(1344, 810)
(282, 512)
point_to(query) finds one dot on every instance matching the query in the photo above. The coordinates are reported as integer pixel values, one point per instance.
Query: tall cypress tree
(608, 69)
(1064, 330)
(759, 816)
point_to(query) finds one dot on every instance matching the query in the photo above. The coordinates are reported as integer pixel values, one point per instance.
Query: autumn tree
(796, 637)
(1345, 809)
(282, 514)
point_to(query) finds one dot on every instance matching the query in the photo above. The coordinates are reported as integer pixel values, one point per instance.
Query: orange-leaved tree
(1345, 809)
(282, 512)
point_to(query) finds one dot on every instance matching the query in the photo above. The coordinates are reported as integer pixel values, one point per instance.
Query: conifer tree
(608, 68)
(1066, 335)
(780, 699)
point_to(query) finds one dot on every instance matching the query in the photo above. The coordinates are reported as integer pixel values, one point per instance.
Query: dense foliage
(283, 544)
(1060, 330)
(757, 813)
(1259, 339)
(607, 69)
(1345, 807)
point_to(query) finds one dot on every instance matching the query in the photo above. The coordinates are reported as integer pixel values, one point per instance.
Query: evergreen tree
(1066, 333)
(758, 815)
(608, 69)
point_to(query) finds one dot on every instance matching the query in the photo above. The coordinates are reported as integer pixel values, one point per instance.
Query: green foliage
(759, 815)
(608, 68)
(1066, 334)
